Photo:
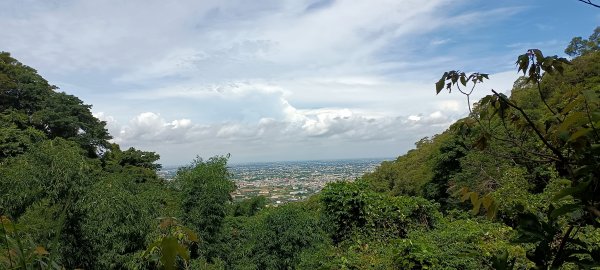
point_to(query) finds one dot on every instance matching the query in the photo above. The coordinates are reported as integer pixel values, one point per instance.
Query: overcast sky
(279, 80)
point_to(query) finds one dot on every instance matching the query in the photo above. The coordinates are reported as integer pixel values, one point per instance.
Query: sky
(271, 80)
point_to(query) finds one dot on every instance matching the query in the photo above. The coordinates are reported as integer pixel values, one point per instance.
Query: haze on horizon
(279, 80)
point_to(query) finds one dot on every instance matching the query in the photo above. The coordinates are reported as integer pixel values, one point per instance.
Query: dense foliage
(512, 186)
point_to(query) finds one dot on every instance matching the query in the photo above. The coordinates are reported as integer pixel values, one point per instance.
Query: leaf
(476, 207)
(465, 196)
(538, 54)
(485, 100)
(463, 81)
(571, 105)
(573, 119)
(167, 222)
(151, 248)
(439, 86)
(191, 235)
(565, 209)
(183, 252)
(501, 261)
(492, 210)
(487, 201)
(591, 96)
(169, 252)
(547, 62)
(579, 133)
(474, 198)
(39, 250)
(523, 63)
(571, 191)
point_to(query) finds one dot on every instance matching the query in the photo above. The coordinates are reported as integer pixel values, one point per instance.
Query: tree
(205, 191)
(283, 234)
(21, 88)
(579, 46)
(566, 136)
(30, 102)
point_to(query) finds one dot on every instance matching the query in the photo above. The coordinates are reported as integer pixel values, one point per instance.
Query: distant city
(286, 181)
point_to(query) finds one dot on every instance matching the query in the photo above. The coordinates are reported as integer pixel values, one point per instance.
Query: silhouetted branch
(589, 2)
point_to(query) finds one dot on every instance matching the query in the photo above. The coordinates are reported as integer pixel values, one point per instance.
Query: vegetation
(515, 185)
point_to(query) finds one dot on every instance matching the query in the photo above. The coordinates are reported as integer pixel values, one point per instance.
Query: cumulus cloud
(262, 80)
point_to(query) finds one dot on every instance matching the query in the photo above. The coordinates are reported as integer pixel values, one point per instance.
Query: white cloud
(266, 79)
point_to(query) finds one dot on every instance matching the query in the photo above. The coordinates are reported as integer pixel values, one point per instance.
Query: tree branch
(589, 2)
(537, 132)
(559, 257)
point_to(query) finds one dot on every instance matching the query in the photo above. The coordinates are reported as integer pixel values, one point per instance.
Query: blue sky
(279, 80)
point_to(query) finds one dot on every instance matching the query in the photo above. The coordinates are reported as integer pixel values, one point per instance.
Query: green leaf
(501, 261)
(579, 133)
(463, 81)
(454, 77)
(183, 252)
(439, 86)
(487, 201)
(573, 119)
(523, 63)
(571, 105)
(476, 207)
(538, 54)
(492, 210)
(565, 209)
(465, 197)
(169, 248)
(571, 191)
(547, 62)
(474, 198)
(591, 95)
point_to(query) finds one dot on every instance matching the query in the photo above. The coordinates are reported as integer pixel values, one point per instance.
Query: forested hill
(515, 185)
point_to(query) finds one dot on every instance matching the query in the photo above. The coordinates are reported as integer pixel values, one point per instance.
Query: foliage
(25, 94)
(18, 251)
(248, 207)
(459, 244)
(117, 220)
(284, 233)
(579, 46)
(205, 191)
(170, 251)
(67, 175)
(349, 208)
(408, 173)
(564, 127)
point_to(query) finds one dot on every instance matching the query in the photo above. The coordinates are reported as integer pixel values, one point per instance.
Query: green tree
(563, 128)
(205, 191)
(284, 234)
(579, 46)
(30, 102)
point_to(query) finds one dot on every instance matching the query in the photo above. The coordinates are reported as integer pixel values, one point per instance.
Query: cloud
(262, 80)
(437, 42)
